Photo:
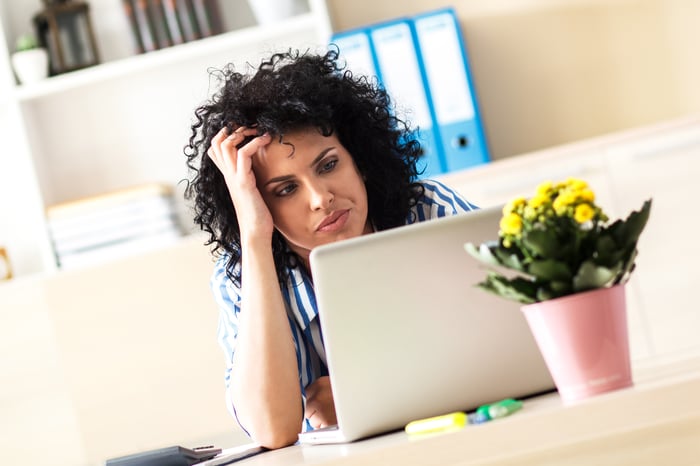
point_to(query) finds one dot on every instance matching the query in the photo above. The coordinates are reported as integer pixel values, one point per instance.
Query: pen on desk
(444, 423)
(496, 410)
(457, 420)
(504, 408)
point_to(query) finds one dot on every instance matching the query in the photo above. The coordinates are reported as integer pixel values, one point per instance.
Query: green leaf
(560, 288)
(627, 232)
(508, 259)
(516, 289)
(627, 268)
(542, 242)
(483, 252)
(549, 269)
(554, 289)
(26, 42)
(591, 276)
(607, 252)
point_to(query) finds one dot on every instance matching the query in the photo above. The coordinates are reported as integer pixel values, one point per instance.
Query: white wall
(549, 72)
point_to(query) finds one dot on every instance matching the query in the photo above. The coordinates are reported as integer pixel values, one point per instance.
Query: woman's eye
(287, 190)
(328, 166)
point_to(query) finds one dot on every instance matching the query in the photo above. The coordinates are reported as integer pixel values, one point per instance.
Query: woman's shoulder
(432, 186)
(438, 193)
(220, 275)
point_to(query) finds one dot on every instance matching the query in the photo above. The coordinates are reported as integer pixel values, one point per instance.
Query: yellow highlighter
(445, 423)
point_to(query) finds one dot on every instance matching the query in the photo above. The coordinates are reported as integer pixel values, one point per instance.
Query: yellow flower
(511, 224)
(513, 204)
(576, 184)
(529, 213)
(586, 195)
(583, 213)
(544, 187)
(563, 200)
(538, 200)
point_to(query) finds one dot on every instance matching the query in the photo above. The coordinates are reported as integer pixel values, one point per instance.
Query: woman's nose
(321, 196)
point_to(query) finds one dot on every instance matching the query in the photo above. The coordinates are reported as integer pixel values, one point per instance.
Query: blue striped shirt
(300, 299)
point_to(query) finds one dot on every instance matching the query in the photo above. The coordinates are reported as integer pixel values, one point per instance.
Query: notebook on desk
(408, 335)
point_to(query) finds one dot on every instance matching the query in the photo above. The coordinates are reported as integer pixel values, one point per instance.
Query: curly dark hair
(291, 91)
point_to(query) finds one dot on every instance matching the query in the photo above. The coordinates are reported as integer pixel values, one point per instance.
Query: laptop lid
(408, 335)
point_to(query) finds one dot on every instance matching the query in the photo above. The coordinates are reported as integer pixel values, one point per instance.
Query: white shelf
(168, 56)
(75, 135)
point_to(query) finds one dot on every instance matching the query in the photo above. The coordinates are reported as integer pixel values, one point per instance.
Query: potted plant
(30, 61)
(558, 254)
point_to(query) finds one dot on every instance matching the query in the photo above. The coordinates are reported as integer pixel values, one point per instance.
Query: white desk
(657, 422)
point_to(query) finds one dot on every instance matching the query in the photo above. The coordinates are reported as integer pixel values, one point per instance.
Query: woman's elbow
(277, 437)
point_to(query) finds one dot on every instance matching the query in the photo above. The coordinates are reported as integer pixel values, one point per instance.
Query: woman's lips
(334, 222)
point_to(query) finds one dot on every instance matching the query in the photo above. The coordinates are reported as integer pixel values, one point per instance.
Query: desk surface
(656, 422)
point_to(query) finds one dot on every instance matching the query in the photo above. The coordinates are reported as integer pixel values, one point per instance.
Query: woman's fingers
(227, 154)
(214, 151)
(244, 162)
(320, 409)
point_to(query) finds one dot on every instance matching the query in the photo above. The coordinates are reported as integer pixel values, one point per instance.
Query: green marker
(504, 408)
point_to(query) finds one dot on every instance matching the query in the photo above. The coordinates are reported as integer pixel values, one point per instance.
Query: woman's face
(313, 189)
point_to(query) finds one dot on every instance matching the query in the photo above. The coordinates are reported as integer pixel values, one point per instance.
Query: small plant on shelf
(26, 42)
(30, 61)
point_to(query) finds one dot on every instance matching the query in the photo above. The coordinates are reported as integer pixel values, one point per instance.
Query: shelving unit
(176, 55)
(115, 125)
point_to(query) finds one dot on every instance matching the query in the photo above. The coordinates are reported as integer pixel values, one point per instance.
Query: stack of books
(113, 225)
(156, 24)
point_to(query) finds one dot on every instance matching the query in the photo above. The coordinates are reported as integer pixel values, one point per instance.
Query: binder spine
(450, 87)
(400, 70)
(432, 138)
(477, 121)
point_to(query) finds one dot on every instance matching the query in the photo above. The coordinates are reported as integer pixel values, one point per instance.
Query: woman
(290, 157)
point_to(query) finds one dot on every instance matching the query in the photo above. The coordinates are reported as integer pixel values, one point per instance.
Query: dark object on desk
(169, 456)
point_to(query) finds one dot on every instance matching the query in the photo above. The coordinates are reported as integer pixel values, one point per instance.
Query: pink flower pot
(583, 340)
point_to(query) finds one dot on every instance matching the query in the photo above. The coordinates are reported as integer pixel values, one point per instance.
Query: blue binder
(388, 51)
(451, 91)
(357, 53)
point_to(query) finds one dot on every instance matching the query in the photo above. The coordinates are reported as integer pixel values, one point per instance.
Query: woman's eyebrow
(315, 161)
(321, 155)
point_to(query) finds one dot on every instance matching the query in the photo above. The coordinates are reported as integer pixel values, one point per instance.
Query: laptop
(407, 333)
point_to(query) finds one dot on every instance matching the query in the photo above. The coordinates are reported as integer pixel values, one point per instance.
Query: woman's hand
(320, 408)
(236, 164)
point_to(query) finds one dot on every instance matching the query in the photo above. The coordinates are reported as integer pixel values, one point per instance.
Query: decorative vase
(584, 342)
(31, 65)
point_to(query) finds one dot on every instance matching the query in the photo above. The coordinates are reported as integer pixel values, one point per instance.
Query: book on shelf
(188, 20)
(160, 24)
(134, 25)
(146, 34)
(113, 225)
(156, 24)
(172, 21)
(208, 17)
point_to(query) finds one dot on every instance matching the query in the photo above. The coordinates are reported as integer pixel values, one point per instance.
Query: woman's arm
(265, 383)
